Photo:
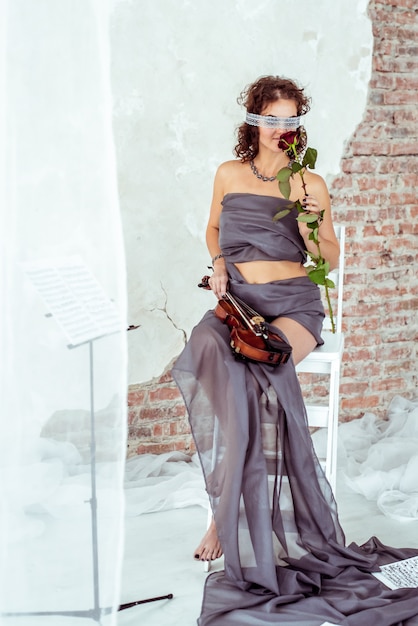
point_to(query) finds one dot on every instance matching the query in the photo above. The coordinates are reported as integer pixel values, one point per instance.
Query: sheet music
(74, 298)
(400, 574)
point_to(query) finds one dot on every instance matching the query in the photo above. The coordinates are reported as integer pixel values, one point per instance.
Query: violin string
(244, 310)
(239, 309)
(248, 308)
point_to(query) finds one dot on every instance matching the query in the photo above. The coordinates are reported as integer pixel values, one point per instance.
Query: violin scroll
(204, 283)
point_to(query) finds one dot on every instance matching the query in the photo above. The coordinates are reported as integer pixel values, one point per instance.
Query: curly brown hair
(255, 98)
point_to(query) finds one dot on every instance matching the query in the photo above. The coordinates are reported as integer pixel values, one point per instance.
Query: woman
(275, 517)
(255, 174)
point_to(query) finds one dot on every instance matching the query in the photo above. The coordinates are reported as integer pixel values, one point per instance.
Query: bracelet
(218, 256)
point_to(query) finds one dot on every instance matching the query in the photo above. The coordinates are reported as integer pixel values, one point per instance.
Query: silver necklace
(265, 179)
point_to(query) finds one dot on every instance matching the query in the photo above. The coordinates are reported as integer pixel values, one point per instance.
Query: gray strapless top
(247, 231)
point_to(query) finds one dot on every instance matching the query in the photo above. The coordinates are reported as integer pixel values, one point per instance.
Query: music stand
(85, 314)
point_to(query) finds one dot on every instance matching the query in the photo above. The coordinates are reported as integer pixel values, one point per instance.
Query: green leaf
(322, 265)
(309, 158)
(307, 218)
(313, 236)
(329, 283)
(284, 174)
(281, 214)
(284, 187)
(317, 276)
(296, 167)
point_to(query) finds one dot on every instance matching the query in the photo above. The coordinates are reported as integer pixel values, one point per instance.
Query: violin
(250, 338)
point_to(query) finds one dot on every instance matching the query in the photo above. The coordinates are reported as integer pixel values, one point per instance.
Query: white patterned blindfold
(270, 121)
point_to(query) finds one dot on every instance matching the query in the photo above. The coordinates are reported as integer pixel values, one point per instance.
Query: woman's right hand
(218, 281)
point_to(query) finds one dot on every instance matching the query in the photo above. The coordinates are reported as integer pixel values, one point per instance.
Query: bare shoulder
(229, 168)
(229, 175)
(223, 177)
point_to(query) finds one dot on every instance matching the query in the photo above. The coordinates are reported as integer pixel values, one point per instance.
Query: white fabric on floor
(158, 482)
(380, 458)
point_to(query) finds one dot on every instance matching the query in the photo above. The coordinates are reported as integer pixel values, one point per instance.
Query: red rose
(289, 138)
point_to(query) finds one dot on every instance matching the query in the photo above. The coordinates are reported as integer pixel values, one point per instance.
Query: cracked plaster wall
(177, 69)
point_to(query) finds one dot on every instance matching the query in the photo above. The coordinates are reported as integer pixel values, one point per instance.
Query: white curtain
(60, 554)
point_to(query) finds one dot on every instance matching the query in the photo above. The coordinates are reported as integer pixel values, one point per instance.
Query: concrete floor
(159, 548)
(51, 571)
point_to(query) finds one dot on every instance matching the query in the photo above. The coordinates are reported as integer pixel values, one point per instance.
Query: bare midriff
(259, 272)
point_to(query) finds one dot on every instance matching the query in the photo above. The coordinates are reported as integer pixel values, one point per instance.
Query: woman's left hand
(311, 205)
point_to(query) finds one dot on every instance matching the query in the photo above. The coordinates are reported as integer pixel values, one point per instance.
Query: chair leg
(336, 422)
(332, 439)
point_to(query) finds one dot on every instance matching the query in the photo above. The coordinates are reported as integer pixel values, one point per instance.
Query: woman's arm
(219, 279)
(316, 200)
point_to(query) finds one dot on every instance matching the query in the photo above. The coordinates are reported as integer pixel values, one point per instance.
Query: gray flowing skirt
(285, 556)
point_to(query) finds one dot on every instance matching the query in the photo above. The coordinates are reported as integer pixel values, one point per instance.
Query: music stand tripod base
(128, 605)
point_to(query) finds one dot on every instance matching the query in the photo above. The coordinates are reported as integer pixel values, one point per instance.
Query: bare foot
(209, 548)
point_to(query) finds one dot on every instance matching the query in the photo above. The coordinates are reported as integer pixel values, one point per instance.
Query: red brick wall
(375, 196)
(157, 420)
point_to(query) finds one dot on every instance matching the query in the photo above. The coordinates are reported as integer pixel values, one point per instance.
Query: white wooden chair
(325, 359)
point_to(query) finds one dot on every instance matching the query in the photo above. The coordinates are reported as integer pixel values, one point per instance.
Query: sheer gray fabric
(285, 556)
